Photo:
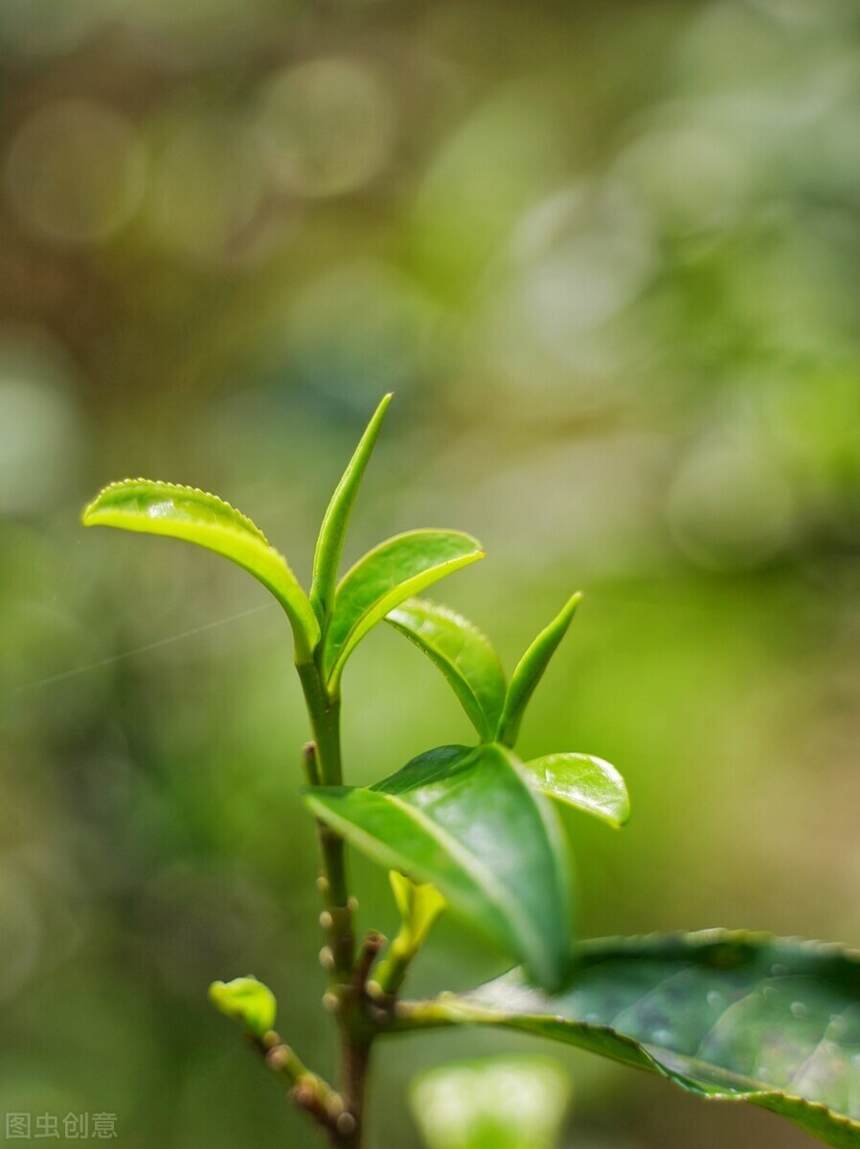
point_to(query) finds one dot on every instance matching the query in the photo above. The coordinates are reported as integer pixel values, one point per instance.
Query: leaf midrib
(501, 898)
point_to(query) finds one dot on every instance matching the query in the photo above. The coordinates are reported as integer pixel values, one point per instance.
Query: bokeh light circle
(327, 125)
(75, 172)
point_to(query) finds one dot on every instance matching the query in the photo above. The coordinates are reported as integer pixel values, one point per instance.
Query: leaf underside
(466, 820)
(385, 577)
(726, 1015)
(194, 516)
(462, 653)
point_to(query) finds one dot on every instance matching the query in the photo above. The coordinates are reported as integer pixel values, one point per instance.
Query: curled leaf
(462, 653)
(387, 576)
(156, 508)
(419, 905)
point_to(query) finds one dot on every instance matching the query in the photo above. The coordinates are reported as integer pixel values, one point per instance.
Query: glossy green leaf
(514, 1102)
(197, 517)
(384, 578)
(329, 547)
(462, 653)
(726, 1015)
(583, 781)
(467, 821)
(530, 671)
(245, 1000)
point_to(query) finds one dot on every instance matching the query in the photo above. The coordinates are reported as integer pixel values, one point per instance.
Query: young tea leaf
(329, 547)
(467, 821)
(197, 517)
(583, 781)
(530, 671)
(462, 653)
(419, 906)
(245, 1000)
(384, 578)
(512, 1102)
(726, 1015)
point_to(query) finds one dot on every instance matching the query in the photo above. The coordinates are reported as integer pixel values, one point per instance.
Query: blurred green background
(608, 256)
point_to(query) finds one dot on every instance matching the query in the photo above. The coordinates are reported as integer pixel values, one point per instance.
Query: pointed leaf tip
(329, 548)
(175, 511)
(531, 669)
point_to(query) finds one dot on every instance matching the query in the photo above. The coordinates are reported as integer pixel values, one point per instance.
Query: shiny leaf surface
(462, 653)
(583, 781)
(467, 821)
(496, 1103)
(329, 547)
(384, 578)
(726, 1015)
(179, 512)
(530, 670)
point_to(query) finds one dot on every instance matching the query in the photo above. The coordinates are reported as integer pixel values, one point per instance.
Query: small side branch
(307, 1090)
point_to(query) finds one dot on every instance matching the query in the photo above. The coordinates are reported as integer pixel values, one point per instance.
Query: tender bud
(247, 1000)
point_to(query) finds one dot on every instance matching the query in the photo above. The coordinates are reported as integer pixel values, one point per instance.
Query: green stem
(325, 768)
(347, 978)
(392, 973)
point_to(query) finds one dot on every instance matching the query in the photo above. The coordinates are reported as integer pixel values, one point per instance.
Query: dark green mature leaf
(512, 1102)
(462, 653)
(179, 512)
(467, 821)
(583, 781)
(530, 671)
(329, 547)
(384, 578)
(726, 1015)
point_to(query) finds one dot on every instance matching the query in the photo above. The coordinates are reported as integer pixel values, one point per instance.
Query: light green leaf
(197, 517)
(530, 671)
(384, 578)
(245, 1000)
(583, 781)
(419, 905)
(512, 1102)
(462, 653)
(467, 821)
(726, 1015)
(329, 547)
